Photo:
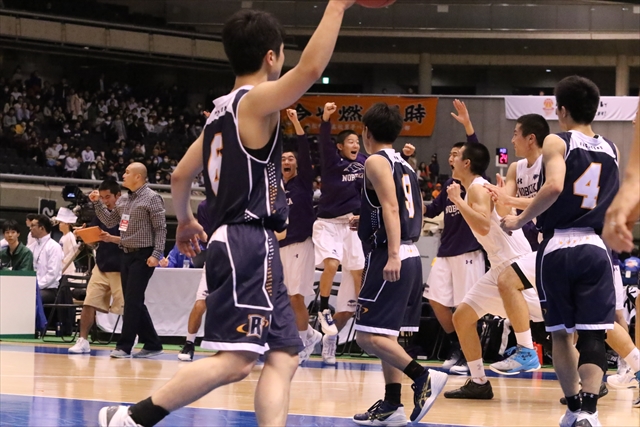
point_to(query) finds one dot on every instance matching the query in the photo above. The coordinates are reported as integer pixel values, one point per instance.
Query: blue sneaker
(425, 390)
(326, 321)
(522, 360)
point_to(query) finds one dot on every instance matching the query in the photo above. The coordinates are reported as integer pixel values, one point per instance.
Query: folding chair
(64, 301)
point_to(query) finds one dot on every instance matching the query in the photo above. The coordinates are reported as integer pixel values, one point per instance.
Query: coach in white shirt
(47, 258)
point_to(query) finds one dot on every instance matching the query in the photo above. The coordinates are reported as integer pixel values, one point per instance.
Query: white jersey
(500, 246)
(527, 178)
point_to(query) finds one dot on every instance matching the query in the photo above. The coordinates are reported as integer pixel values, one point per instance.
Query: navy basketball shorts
(248, 308)
(384, 307)
(574, 277)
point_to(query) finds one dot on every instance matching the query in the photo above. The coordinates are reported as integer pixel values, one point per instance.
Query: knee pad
(592, 349)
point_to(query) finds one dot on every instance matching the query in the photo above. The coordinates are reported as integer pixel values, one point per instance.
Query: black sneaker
(186, 354)
(471, 390)
(603, 392)
(382, 413)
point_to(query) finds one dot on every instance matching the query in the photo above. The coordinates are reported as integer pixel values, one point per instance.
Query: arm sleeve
(328, 152)
(473, 138)
(108, 218)
(159, 224)
(305, 170)
(437, 205)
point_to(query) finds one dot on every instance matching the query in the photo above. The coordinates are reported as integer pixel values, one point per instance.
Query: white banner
(612, 108)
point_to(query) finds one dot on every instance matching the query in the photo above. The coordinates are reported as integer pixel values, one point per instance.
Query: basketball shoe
(625, 379)
(382, 413)
(329, 344)
(186, 354)
(309, 346)
(460, 368)
(569, 418)
(115, 416)
(586, 419)
(326, 321)
(81, 346)
(523, 359)
(426, 389)
(471, 390)
(454, 356)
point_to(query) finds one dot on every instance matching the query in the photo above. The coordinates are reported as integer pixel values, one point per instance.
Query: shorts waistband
(586, 231)
(343, 219)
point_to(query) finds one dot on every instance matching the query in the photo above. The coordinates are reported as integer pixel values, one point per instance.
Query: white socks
(524, 339)
(191, 337)
(476, 369)
(633, 360)
(306, 334)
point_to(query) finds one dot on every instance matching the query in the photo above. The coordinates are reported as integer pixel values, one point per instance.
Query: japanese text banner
(611, 108)
(418, 114)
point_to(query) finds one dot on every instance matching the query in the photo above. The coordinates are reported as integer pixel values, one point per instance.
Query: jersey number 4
(588, 186)
(406, 186)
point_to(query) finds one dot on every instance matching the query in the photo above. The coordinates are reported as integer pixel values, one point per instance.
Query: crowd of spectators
(95, 131)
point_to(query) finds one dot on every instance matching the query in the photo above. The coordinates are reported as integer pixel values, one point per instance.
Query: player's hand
(391, 272)
(354, 222)
(463, 114)
(498, 194)
(329, 109)
(292, 115)
(94, 196)
(206, 114)
(79, 228)
(164, 262)
(454, 192)
(408, 150)
(510, 223)
(104, 236)
(152, 261)
(189, 234)
(618, 225)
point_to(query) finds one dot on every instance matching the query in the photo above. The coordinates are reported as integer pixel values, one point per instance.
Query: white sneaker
(569, 418)
(326, 321)
(453, 359)
(460, 368)
(115, 416)
(309, 346)
(329, 344)
(587, 420)
(81, 346)
(624, 380)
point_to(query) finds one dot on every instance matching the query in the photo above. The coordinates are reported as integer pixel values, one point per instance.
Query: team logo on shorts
(360, 310)
(254, 327)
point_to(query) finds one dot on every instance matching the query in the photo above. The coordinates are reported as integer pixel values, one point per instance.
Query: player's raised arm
(273, 96)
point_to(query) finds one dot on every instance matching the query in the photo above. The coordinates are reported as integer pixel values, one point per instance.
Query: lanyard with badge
(124, 220)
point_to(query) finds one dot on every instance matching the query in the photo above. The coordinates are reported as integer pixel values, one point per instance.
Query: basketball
(374, 4)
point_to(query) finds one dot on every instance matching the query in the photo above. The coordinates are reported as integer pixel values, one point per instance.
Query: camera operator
(105, 277)
(143, 233)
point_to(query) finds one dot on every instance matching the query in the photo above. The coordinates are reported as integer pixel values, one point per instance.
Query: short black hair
(479, 156)
(110, 185)
(45, 222)
(344, 135)
(580, 97)
(31, 217)
(384, 122)
(10, 224)
(534, 124)
(458, 145)
(247, 36)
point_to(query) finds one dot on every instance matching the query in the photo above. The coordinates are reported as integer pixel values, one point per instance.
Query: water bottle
(186, 263)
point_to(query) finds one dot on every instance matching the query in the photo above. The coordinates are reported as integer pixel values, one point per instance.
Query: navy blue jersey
(243, 186)
(371, 229)
(590, 184)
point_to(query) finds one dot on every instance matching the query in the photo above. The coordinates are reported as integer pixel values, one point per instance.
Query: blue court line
(34, 411)
(313, 363)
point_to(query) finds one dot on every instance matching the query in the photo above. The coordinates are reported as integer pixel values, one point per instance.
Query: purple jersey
(456, 238)
(299, 191)
(341, 178)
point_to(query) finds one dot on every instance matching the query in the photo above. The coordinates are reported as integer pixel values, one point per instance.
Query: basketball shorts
(102, 287)
(575, 281)
(332, 238)
(619, 286)
(203, 291)
(484, 297)
(298, 267)
(384, 307)
(248, 308)
(451, 277)
(346, 300)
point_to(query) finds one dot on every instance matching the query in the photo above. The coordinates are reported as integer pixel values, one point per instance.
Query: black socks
(414, 370)
(324, 303)
(392, 393)
(573, 403)
(146, 413)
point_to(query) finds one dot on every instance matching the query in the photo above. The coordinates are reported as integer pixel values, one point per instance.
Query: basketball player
(240, 149)
(296, 250)
(575, 276)
(520, 187)
(503, 250)
(390, 224)
(460, 262)
(334, 241)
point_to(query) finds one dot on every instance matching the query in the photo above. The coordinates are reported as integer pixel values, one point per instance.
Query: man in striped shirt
(143, 233)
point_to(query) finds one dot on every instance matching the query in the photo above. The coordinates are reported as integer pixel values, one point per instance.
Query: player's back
(590, 184)
(371, 230)
(243, 185)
